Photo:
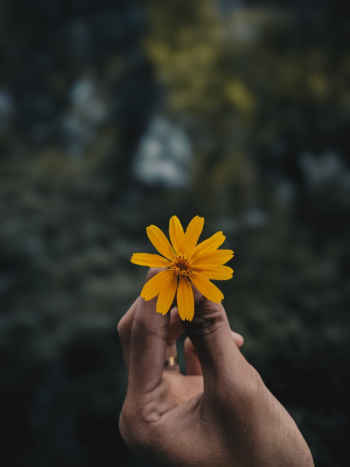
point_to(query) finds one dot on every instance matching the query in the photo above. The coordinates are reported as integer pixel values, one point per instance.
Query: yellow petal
(192, 234)
(219, 273)
(176, 233)
(185, 299)
(215, 257)
(152, 261)
(209, 245)
(166, 296)
(206, 288)
(155, 285)
(160, 242)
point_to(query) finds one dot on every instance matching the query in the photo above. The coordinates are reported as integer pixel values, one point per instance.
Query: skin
(219, 414)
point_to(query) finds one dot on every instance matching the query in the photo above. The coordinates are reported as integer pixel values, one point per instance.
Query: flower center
(182, 265)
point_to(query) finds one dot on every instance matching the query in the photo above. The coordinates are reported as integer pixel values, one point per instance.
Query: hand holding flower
(219, 414)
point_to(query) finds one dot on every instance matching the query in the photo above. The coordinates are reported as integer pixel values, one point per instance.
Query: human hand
(219, 414)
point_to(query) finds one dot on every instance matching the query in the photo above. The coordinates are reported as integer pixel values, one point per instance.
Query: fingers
(124, 330)
(148, 337)
(175, 331)
(211, 336)
(148, 343)
(193, 366)
(125, 326)
(238, 338)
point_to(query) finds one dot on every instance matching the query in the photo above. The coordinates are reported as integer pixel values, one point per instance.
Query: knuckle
(252, 386)
(149, 327)
(209, 318)
(121, 327)
(135, 429)
(243, 400)
(124, 332)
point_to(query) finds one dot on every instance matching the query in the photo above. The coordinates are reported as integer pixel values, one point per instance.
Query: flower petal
(176, 233)
(160, 242)
(152, 261)
(209, 245)
(206, 288)
(166, 296)
(217, 257)
(185, 299)
(155, 285)
(220, 273)
(192, 234)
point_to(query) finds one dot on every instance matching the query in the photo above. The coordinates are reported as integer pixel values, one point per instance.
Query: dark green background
(252, 100)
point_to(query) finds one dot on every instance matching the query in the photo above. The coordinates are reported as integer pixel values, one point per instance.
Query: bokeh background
(118, 114)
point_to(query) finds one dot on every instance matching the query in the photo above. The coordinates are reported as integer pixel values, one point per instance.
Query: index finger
(148, 343)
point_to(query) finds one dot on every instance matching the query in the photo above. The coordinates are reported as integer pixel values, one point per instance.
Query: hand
(219, 414)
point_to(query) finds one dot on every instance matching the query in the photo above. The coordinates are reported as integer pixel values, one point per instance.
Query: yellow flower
(185, 263)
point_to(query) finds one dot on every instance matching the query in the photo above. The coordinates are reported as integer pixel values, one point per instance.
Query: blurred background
(119, 114)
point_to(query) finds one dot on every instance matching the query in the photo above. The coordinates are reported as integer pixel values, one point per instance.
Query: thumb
(211, 336)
